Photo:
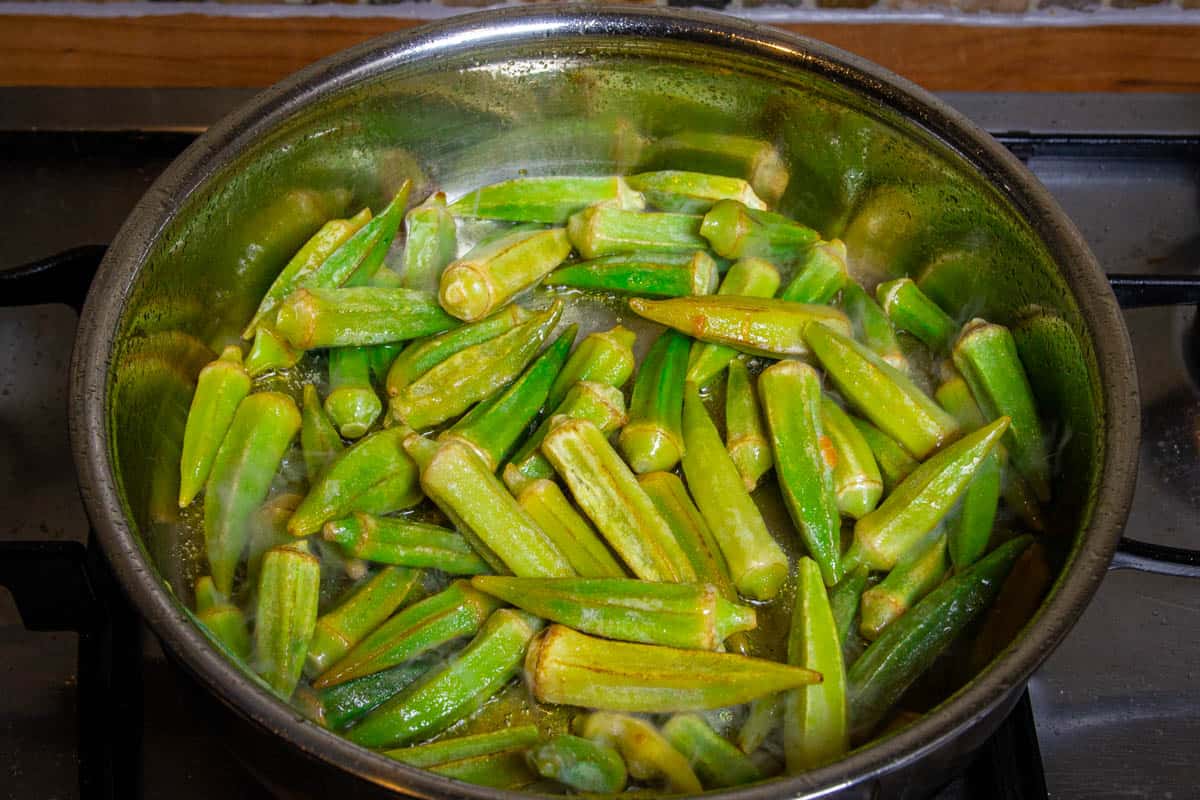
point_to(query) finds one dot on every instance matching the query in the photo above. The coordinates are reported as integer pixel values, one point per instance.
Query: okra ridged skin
(320, 441)
(430, 243)
(270, 353)
(603, 357)
(245, 465)
(894, 462)
(608, 492)
(364, 610)
(340, 706)
(550, 200)
(845, 598)
(764, 716)
(815, 728)
(495, 425)
(856, 478)
(642, 274)
(458, 610)
(756, 160)
(571, 668)
(916, 506)
(671, 498)
(735, 231)
(912, 643)
(745, 437)
(402, 542)
(224, 621)
(374, 475)
(289, 586)
(986, 355)
(492, 274)
(599, 403)
(748, 277)
(692, 192)
(473, 374)
(220, 389)
(359, 258)
(883, 394)
(906, 584)
(871, 325)
(580, 764)
(351, 403)
(911, 310)
(496, 759)
(760, 326)
(420, 356)
(605, 231)
(652, 439)
(970, 524)
(380, 358)
(458, 480)
(683, 615)
(312, 318)
(647, 755)
(820, 275)
(791, 393)
(757, 564)
(571, 533)
(458, 689)
(716, 761)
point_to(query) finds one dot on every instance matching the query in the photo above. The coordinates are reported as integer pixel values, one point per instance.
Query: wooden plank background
(198, 50)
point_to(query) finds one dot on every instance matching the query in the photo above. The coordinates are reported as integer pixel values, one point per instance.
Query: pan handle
(60, 278)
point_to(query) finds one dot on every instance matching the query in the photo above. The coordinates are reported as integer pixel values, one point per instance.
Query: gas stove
(1115, 712)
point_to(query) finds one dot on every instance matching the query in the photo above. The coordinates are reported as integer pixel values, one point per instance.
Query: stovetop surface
(1117, 706)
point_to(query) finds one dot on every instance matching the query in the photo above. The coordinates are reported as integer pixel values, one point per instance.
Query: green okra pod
(903, 587)
(745, 437)
(883, 394)
(387, 278)
(761, 326)
(220, 389)
(815, 728)
(844, 601)
(970, 524)
(670, 497)
(764, 716)
(312, 318)
(224, 621)
(270, 352)
(339, 706)
(572, 668)
(492, 274)
(374, 475)
(756, 562)
(791, 393)
(473, 374)
(599, 403)
(289, 586)
(911, 310)
(324, 243)
(643, 274)
(692, 192)
(716, 761)
(268, 528)
(756, 160)
(550, 200)
(602, 357)
(430, 243)
(652, 440)
(820, 275)
(494, 426)
(871, 325)
(857, 482)
(580, 764)
(571, 533)
(684, 615)
(749, 277)
(364, 610)
(352, 403)
(735, 231)
(380, 358)
(424, 354)
(460, 483)
(459, 688)
(894, 462)
(496, 759)
(607, 491)
(986, 355)
(263, 426)
(606, 230)
(403, 542)
(457, 611)
(912, 643)
(916, 506)
(646, 754)
(320, 441)
(357, 260)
